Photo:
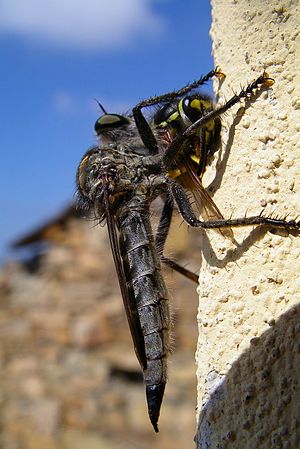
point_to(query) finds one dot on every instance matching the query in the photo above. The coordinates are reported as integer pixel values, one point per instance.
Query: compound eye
(108, 122)
(194, 107)
(166, 116)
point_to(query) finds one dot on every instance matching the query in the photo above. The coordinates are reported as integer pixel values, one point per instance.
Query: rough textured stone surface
(248, 350)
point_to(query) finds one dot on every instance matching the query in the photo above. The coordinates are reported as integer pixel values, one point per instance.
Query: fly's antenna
(100, 106)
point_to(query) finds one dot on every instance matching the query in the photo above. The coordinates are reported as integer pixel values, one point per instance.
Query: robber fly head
(109, 122)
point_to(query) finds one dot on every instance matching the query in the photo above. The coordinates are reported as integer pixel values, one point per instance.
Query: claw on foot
(267, 80)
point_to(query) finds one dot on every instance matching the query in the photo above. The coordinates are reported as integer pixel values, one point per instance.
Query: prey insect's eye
(108, 122)
(191, 108)
(167, 115)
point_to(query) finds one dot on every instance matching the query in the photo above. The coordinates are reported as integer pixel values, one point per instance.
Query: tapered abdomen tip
(154, 394)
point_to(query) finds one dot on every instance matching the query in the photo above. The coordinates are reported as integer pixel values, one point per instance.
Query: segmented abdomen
(145, 283)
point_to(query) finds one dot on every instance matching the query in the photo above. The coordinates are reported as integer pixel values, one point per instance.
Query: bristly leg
(143, 126)
(189, 217)
(180, 269)
(161, 237)
(177, 143)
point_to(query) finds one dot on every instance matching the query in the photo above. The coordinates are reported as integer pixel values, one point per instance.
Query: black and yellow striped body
(175, 117)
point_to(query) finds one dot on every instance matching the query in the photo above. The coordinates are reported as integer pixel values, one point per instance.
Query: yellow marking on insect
(162, 125)
(196, 104)
(210, 126)
(180, 108)
(176, 173)
(195, 158)
(172, 117)
(208, 136)
(200, 103)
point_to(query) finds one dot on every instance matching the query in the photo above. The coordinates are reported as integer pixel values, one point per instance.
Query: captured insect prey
(136, 161)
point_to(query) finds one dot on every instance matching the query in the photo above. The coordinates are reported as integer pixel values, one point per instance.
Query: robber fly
(119, 178)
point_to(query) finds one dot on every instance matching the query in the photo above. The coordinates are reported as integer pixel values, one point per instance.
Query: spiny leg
(176, 145)
(189, 217)
(164, 224)
(143, 126)
(180, 92)
(161, 237)
(180, 269)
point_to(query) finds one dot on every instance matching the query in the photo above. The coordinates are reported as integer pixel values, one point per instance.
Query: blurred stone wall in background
(69, 376)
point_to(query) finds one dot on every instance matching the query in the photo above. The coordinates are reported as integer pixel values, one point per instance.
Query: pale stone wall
(249, 350)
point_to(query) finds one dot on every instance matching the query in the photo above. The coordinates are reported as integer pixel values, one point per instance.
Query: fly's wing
(128, 299)
(207, 208)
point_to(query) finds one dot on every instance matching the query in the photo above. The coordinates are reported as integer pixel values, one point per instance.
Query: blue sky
(56, 57)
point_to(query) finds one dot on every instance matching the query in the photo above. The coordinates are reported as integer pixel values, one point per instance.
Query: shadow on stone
(257, 403)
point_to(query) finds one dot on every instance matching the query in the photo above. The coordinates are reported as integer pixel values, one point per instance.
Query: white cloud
(87, 24)
(65, 103)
